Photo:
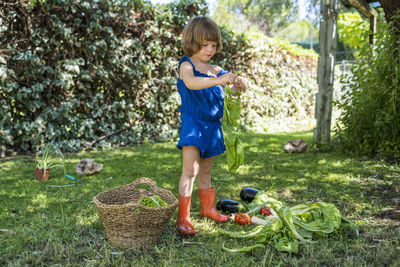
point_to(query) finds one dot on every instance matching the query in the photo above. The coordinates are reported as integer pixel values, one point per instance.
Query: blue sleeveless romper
(201, 113)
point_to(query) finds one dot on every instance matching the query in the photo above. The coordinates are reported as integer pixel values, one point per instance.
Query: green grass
(61, 226)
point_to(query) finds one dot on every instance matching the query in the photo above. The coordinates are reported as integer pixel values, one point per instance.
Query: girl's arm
(197, 83)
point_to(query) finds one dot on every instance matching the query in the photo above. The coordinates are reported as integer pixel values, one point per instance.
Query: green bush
(81, 69)
(369, 123)
(74, 71)
(307, 45)
(282, 85)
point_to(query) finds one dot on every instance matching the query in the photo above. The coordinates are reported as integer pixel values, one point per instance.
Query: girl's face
(207, 51)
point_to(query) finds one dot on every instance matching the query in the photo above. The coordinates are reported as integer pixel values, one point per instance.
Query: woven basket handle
(145, 180)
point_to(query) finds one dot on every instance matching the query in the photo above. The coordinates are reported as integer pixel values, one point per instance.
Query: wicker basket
(127, 222)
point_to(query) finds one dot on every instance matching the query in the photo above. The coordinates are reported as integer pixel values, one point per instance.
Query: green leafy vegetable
(153, 201)
(230, 123)
(262, 199)
(243, 249)
(320, 217)
(288, 227)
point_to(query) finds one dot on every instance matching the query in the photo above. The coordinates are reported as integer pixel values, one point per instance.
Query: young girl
(200, 87)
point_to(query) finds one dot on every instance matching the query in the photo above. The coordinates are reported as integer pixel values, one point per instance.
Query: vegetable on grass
(287, 227)
(230, 123)
(242, 218)
(262, 199)
(248, 194)
(257, 220)
(229, 206)
(266, 211)
(153, 201)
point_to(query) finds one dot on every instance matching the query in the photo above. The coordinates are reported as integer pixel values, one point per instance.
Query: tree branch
(91, 144)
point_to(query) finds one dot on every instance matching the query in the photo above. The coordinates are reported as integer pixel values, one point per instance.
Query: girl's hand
(227, 78)
(240, 83)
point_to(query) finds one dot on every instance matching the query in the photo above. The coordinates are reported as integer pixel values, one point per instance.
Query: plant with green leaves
(51, 155)
(352, 28)
(230, 124)
(266, 16)
(47, 3)
(368, 123)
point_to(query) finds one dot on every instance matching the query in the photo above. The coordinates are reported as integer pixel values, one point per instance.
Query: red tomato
(242, 218)
(266, 211)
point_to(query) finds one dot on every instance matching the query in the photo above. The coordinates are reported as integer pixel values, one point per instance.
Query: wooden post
(325, 74)
(372, 27)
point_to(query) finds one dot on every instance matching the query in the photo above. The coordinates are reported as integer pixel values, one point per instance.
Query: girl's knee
(191, 170)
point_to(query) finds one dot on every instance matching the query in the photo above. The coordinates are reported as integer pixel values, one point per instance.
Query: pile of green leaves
(153, 201)
(288, 227)
(230, 124)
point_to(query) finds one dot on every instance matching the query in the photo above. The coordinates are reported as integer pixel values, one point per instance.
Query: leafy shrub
(74, 71)
(282, 86)
(351, 27)
(369, 123)
(81, 69)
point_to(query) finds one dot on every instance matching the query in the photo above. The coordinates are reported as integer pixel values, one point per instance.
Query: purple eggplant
(228, 205)
(248, 194)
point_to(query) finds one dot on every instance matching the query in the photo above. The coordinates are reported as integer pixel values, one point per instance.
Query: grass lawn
(60, 226)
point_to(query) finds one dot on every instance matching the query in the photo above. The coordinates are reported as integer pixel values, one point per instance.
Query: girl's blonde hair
(198, 30)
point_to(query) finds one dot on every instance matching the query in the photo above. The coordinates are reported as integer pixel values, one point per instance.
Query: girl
(200, 87)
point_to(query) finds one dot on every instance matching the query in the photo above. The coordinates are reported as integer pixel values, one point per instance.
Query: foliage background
(369, 122)
(352, 28)
(74, 71)
(269, 17)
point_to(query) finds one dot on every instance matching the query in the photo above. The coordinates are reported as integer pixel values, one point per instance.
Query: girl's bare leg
(207, 193)
(190, 169)
(204, 175)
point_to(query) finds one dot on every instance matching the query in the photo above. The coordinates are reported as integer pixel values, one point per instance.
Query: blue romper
(201, 113)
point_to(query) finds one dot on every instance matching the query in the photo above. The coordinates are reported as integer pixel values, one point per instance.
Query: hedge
(74, 71)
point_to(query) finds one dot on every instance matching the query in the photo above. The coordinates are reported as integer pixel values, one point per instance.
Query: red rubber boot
(207, 206)
(183, 224)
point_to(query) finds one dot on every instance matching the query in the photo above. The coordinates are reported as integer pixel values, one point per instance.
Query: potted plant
(51, 154)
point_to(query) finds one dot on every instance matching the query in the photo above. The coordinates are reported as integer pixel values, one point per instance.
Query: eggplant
(248, 194)
(228, 205)
(230, 208)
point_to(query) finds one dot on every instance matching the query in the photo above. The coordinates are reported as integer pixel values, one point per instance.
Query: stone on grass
(295, 146)
(88, 167)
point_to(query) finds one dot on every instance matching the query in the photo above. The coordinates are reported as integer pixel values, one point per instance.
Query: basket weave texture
(128, 223)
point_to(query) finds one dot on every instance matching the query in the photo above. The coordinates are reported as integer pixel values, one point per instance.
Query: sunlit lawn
(44, 225)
